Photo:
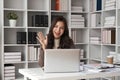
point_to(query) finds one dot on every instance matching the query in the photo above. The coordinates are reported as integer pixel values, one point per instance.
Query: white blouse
(56, 43)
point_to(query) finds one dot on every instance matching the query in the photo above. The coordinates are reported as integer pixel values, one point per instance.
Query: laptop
(62, 60)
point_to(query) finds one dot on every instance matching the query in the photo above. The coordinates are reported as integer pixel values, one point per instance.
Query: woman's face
(58, 29)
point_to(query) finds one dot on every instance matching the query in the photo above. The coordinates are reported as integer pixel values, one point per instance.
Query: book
(113, 38)
(99, 5)
(9, 74)
(9, 78)
(34, 39)
(57, 4)
(41, 20)
(21, 38)
(12, 60)
(37, 20)
(9, 71)
(29, 37)
(10, 57)
(45, 21)
(108, 36)
(9, 67)
(12, 53)
(93, 20)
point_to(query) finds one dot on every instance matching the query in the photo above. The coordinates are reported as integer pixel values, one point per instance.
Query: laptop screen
(61, 60)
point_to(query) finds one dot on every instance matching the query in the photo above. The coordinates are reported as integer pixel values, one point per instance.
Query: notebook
(62, 60)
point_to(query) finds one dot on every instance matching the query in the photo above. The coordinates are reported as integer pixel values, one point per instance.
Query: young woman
(57, 38)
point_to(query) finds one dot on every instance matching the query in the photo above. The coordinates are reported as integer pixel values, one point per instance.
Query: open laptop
(61, 60)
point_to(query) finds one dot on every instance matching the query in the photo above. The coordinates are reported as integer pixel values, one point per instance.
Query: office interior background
(94, 26)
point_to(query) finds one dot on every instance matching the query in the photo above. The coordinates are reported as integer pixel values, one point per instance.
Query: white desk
(38, 74)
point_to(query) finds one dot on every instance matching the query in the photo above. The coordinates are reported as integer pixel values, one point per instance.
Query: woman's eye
(62, 28)
(56, 26)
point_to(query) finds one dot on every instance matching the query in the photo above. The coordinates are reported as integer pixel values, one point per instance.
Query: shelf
(15, 45)
(62, 11)
(100, 11)
(21, 62)
(17, 27)
(12, 9)
(79, 12)
(81, 43)
(33, 10)
(37, 27)
(79, 28)
(110, 10)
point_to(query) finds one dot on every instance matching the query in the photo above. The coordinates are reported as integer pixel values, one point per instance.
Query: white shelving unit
(100, 27)
(25, 9)
(91, 25)
(101, 49)
(79, 31)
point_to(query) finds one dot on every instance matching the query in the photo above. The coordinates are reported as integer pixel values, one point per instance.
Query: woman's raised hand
(42, 39)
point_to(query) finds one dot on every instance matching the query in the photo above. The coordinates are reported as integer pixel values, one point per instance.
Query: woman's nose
(58, 29)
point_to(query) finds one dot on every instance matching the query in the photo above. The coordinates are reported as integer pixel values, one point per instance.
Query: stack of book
(110, 4)
(21, 38)
(77, 21)
(73, 35)
(61, 5)
(9, 72)
(12, 57)
(95, 20)
(95, 40)
(76, 8)
(32, 38)
(109, 21)
(40, 20)
(108, 37)
(33, 53)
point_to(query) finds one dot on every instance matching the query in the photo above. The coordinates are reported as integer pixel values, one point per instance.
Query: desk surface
(38, 74)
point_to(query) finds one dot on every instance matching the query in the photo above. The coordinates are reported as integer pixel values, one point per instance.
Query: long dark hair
(65, 41)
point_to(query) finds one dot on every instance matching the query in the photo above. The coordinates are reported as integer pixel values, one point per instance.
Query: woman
(57, 38)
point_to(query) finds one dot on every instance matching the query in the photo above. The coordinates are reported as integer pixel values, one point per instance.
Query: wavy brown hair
(65, 40)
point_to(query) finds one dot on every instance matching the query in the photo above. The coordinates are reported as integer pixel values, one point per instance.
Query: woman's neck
(56, 43)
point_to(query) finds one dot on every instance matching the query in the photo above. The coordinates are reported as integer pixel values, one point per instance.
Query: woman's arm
(41, 57)
(43, 41)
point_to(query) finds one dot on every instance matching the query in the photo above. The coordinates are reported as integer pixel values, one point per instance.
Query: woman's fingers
(41, 36)
(39, 40)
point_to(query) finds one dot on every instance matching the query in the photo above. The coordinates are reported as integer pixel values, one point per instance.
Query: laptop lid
(62, 60)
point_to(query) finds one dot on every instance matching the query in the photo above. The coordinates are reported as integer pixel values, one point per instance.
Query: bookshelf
(17, 39)
(104, 32)
(86, 21)
(79, 26)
